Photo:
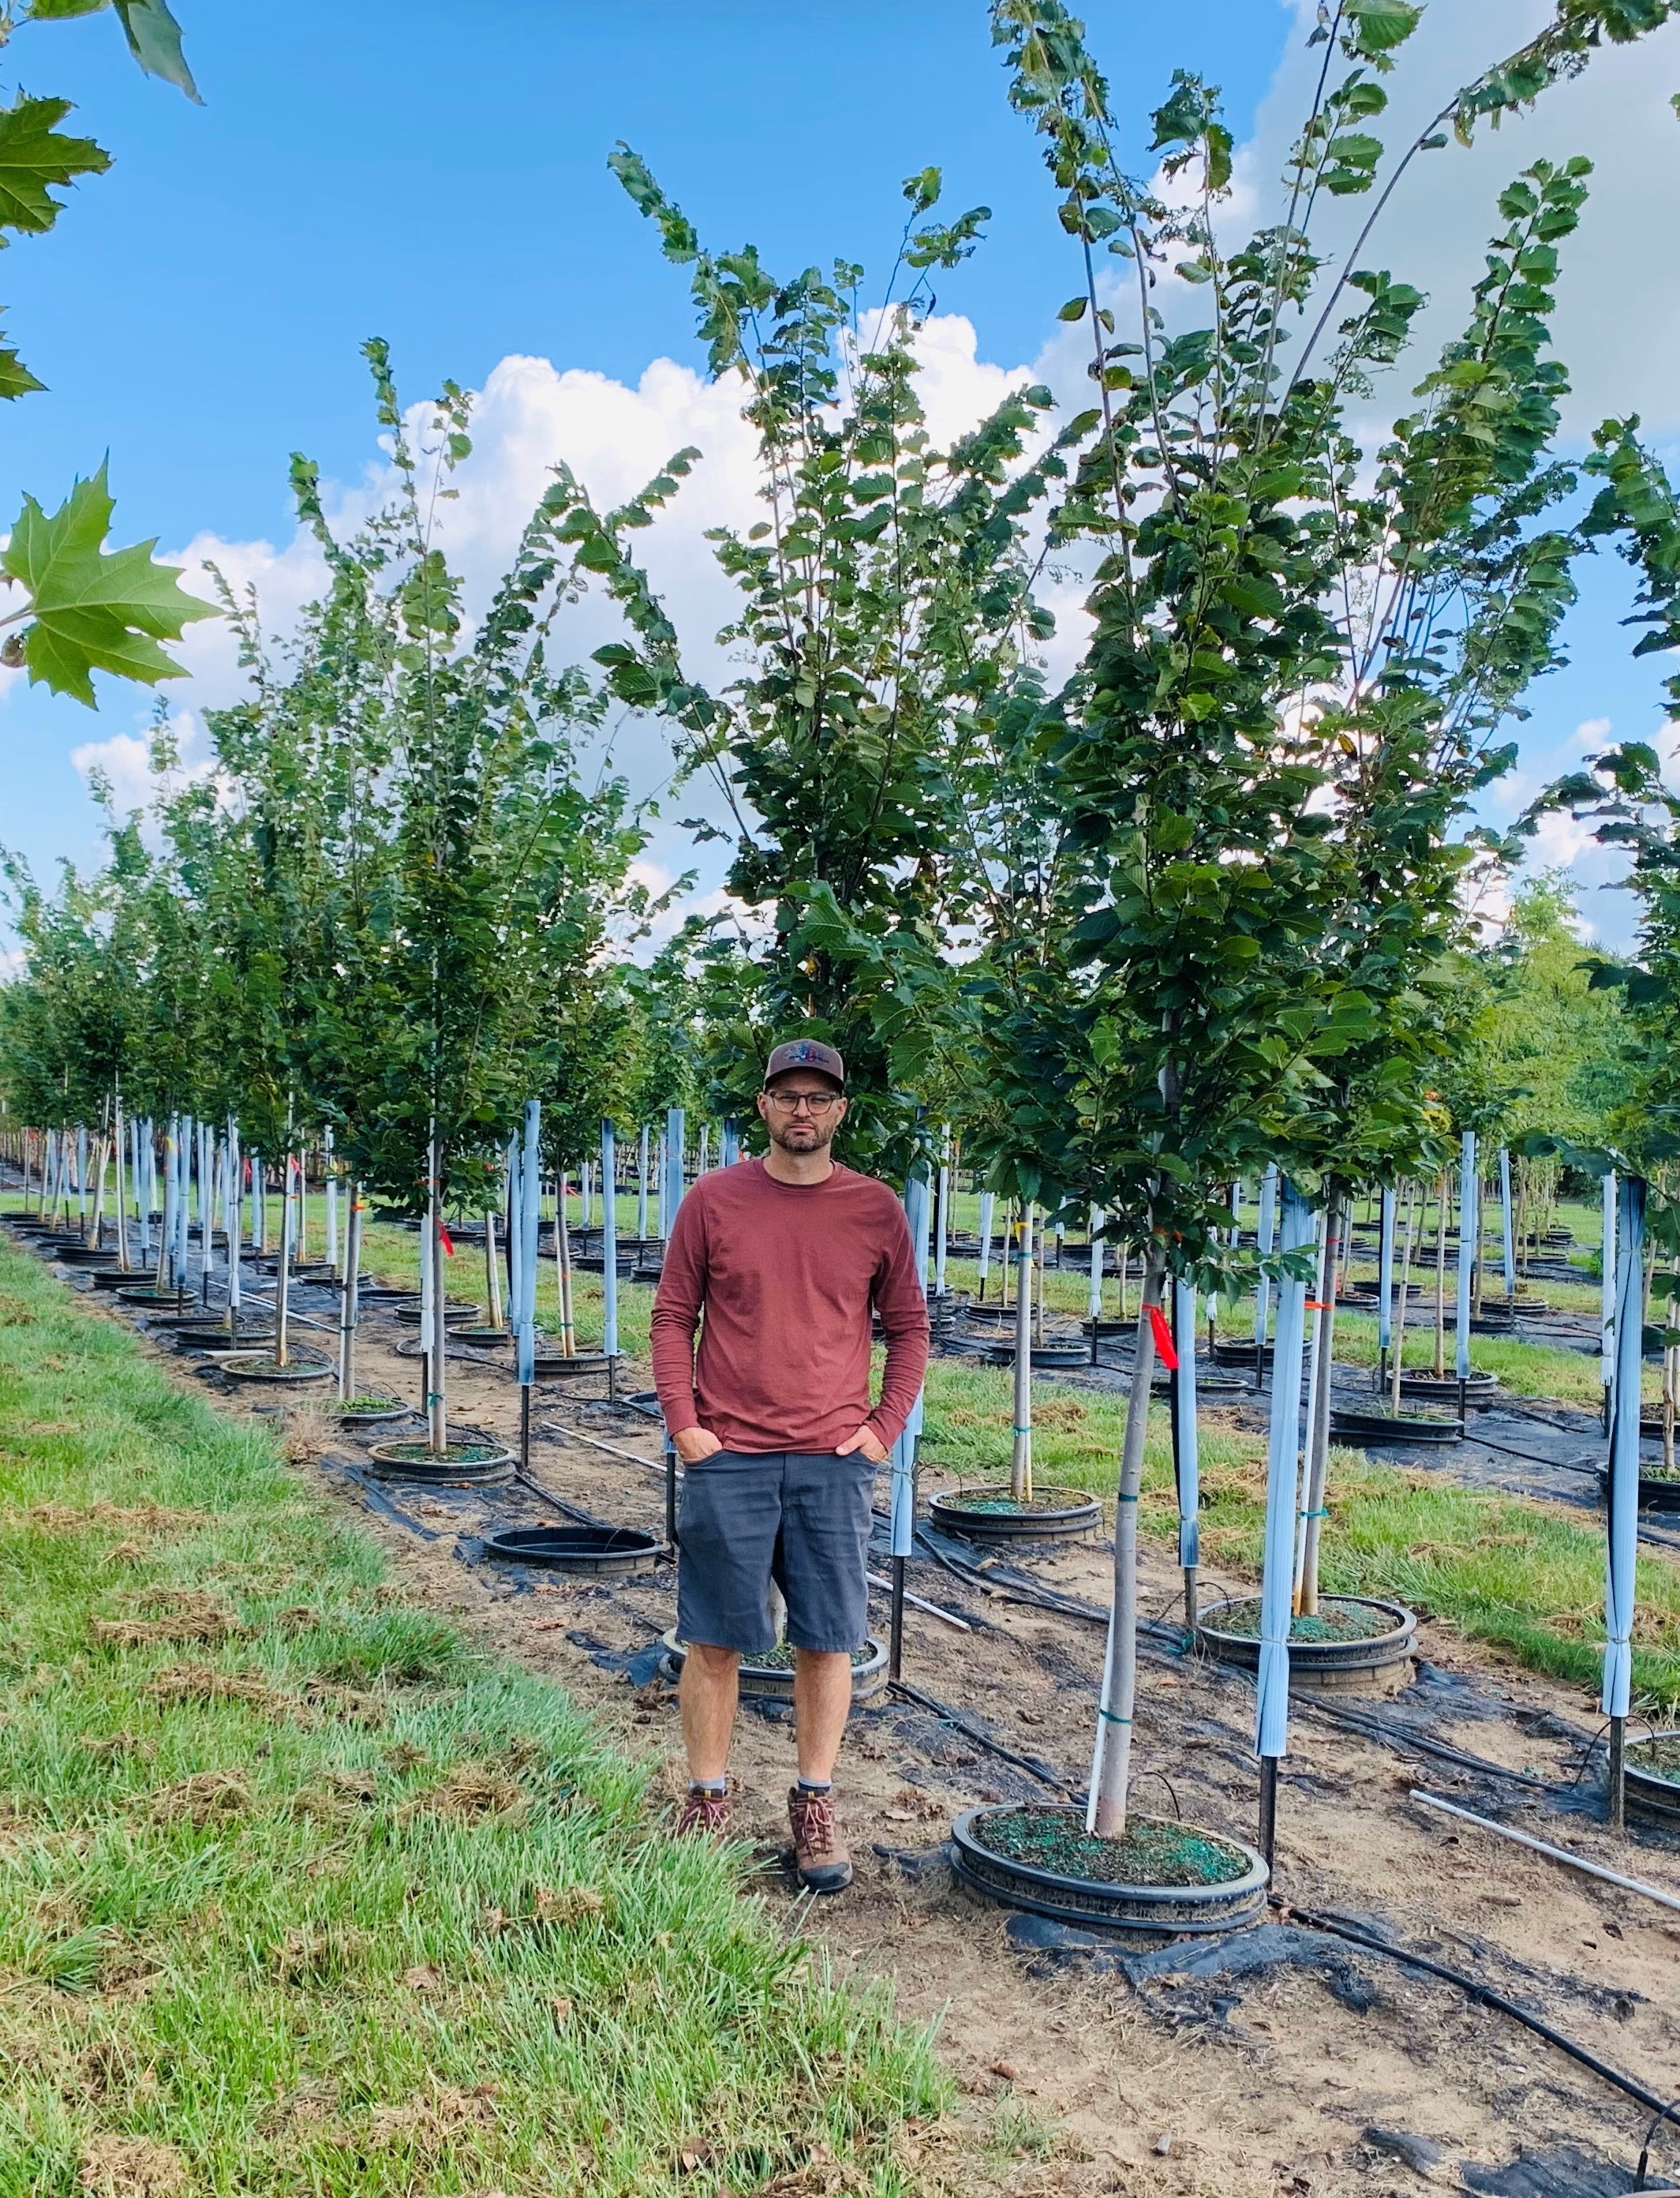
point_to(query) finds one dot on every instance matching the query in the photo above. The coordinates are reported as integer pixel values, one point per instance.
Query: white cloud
(1591, 732)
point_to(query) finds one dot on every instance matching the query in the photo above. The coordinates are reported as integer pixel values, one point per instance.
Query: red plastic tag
(445, 1240)
(1168, 1356)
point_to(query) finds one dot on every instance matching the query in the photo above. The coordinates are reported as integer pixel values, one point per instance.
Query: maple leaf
(34, 157)
(91, 610)
(16, 379)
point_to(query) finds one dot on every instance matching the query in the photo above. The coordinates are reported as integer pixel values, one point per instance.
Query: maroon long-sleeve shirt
(785, 1275)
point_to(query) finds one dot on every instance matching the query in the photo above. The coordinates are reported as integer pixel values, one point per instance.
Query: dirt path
(1076, 2078)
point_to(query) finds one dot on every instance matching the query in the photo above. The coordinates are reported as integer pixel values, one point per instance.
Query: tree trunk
(562, 1251)
(348, 1296)
(491, 1274)
(1405, 1291)
(1021, 1456)
(1318, 1433)
(1111, 1764)
(283, 1280)
(122, 1201)
(437, 1390)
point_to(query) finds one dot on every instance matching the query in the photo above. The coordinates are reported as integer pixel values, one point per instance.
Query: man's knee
(823, 1663)
(710, 1662)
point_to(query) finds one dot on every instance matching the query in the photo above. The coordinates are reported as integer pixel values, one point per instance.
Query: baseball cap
(805, 1053)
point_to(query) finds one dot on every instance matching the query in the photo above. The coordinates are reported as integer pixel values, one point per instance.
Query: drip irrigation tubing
(948, 1715)
(1314, 1920)
(1160, 1630)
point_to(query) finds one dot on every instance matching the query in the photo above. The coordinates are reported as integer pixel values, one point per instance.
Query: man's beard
(820, 1142)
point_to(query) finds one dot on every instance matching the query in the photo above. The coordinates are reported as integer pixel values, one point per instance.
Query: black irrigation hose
(955, 1717)
(1629, 2085)
(569, 1510)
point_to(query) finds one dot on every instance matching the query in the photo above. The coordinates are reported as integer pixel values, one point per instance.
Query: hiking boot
(819, 1852)
(704, 1812)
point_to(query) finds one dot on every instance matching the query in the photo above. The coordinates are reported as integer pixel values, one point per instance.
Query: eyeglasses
(788, 1102)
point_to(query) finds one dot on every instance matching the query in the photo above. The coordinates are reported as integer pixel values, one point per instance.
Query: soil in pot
(1154, 1851)
(262, 1366)
(1332, 1621)
(456, 1309)
(481, 1338)
(1659, 1755)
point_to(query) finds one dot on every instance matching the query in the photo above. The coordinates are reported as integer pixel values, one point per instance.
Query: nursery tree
(1250, 835)
(883, 601)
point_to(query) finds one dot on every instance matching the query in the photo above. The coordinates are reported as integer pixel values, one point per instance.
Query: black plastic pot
(248, 1336)
(382, 1293)
(773, 1683)
(456, 1310)
(1648, 1795)
(603, 1550)
(1379, 1664)
(1076, 1514)
(260, 1366)
(1236, 1353)
(1655, 1494)
(1107, 1328)
(455, 1468)
(383, 1418)
(85, 1255)
(148, 1294)
(112, 1278)
(1428, 1389)
(1168, 1910)
(1049, 1356)
(482, 1338)
(1383, 1427)
(554, 1366)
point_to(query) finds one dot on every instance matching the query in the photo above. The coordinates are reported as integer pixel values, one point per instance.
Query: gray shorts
(800, 1517)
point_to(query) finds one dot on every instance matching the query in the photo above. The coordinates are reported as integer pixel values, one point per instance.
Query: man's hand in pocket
(869, 1443)
(693, 1444)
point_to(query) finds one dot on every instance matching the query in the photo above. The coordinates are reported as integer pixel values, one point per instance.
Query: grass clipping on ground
(298, 1895)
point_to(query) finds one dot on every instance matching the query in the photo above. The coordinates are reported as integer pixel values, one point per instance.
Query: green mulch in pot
(421, 1453)
(999, 1501)
(1333, 1621)
(1152, 1851)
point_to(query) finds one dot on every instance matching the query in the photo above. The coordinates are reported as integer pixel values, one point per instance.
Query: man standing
(784, 1257)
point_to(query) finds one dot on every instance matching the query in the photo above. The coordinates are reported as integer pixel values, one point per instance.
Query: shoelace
(817, 1822)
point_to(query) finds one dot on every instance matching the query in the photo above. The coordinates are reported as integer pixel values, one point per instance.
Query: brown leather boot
(704, 1811)
(819, 1852)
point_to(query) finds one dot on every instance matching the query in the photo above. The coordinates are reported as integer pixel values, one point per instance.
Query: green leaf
(34, 157)
(48, 11)
(94, 611)
(1377, 27)
(16, 379)
(1074, 310)
(155, 40)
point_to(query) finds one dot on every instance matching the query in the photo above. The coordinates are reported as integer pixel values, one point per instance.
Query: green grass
(1523, 1577)
(302, 1893)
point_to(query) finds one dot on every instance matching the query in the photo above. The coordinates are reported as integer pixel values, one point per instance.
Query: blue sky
(438, 175)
